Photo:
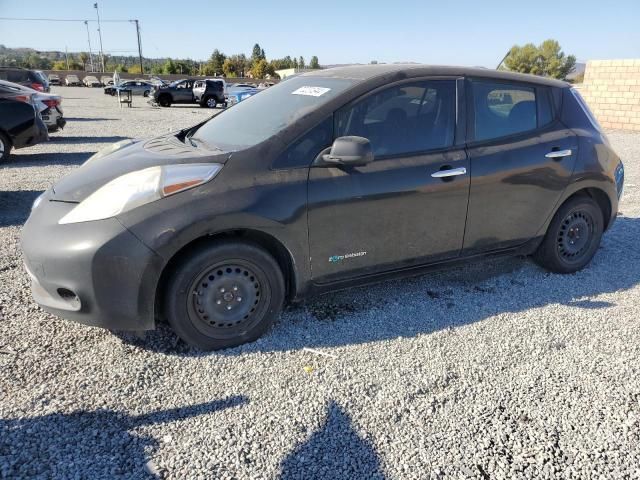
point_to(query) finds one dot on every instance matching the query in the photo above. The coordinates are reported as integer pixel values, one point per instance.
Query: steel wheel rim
(228, 299)
(575, 236)
(211, 103)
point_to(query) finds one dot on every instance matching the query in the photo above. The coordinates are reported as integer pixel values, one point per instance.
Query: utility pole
(66, 56)
(86, 23)
(139, 45)
(95, 5)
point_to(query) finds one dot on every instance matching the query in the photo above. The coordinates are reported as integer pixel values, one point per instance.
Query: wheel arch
(268, 242)
(597, 193)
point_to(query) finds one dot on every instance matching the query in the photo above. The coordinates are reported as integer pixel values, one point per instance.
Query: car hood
(165, 150)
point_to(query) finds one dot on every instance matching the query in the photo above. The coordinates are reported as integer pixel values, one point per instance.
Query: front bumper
(95, 273)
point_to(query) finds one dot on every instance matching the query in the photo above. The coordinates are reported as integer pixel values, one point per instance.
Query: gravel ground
(493, 370)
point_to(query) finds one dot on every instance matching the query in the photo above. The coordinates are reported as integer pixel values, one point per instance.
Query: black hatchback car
(29, 78)
(331, 179)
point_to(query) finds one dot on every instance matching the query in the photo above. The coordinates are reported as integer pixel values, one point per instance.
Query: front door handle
(558, 153)
(452, 172)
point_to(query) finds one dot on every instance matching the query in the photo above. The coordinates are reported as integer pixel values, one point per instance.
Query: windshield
(263, 115)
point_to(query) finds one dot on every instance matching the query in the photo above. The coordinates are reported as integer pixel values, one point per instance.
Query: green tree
(84, 58)
(547, 60)
(261, 69)
(313, 63)
(59, 65)
(135, 69)
(215, 63)
(301, 62)
(554, 62)
(257, 54)
(169, 67)
(229, 68)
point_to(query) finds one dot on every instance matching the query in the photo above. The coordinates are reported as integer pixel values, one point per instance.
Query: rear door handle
(452, 172)
(558, 153)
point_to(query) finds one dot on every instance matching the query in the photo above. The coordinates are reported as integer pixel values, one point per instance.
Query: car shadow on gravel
(16, 206)
(63, 139)
(96, 119)
(335, 451)
(439, 301)
(48, 159)
(90, 444)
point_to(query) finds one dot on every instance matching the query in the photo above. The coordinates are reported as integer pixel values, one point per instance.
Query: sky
(472, 33)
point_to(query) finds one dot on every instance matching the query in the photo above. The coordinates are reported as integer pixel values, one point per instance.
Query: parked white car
(91, 81)
(72, 80)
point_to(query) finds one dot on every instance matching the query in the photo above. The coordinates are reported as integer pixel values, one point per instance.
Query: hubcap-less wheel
(2, 147)
(226, 298)
(574, 236)
(211, 103)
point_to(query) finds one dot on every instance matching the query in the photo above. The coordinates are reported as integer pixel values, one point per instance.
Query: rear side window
(503, 109)
(15, 76)
(403, 120)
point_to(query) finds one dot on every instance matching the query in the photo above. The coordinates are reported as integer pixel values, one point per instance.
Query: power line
(62, 20)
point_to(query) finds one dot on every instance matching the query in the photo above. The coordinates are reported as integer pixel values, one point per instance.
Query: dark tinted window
(405, 119)
(15, 76)
(503, 109)
(302, 152)
(545, 111)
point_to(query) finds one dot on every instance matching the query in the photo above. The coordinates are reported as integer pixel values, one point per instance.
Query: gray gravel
(493, 370)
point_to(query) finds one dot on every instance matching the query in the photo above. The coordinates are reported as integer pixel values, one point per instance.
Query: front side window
(404, 119)
(502, 109)
(307, 147)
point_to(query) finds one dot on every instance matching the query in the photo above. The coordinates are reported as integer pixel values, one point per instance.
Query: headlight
(138, 188)
(110, 149)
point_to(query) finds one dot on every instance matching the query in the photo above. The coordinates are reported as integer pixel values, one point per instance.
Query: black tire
(5, 147)
(210, 102)
(164, 101)
(145, 93)
(573, 237)
(224, 295)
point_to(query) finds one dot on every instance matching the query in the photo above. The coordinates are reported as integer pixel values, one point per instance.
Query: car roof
(5, 83)
(369, 72)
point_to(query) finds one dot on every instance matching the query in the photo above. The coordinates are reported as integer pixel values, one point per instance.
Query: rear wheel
(5, 147)
(211, 102)
(573, 236)
(146, 93)
(224, 295)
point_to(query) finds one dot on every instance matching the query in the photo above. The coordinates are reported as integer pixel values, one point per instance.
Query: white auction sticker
(311, 91)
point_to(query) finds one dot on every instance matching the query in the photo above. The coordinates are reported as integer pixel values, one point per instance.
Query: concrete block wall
(612, 90)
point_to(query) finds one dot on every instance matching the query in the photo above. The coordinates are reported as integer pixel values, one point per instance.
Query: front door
(184, 92)
(406, 207)
(521, 159)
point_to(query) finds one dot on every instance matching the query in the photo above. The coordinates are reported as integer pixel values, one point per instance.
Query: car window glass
(404, 119)
(545, 112)
(263, 115)
(306, 148)
(502, 109)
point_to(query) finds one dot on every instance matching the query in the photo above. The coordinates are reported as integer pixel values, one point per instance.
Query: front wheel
(146, 93)
(573, 236)
(5, 147)
(224, 295)
(164, 101)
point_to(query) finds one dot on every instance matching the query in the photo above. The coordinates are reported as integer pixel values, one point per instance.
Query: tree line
(218, 64)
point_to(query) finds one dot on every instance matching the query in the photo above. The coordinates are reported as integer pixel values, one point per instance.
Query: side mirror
(348, 151)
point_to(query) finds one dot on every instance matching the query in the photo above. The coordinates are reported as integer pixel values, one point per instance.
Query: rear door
(397, 211)
(521, 160)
